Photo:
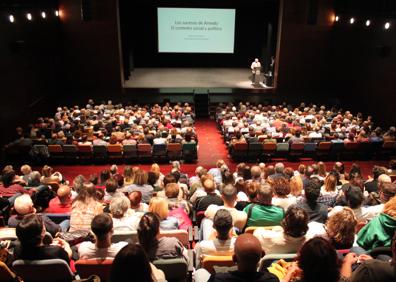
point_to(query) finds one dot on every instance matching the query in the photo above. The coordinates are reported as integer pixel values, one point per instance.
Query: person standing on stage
(256, 64)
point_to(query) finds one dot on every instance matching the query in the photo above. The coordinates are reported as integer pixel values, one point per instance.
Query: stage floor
(191, 78)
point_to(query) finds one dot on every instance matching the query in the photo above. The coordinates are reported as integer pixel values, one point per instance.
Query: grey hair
(119, 205)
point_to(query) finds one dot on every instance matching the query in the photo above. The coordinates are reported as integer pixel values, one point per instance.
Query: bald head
(247, 252)
(384, 178)
(63, 192)
(23, 205)
(255, 171)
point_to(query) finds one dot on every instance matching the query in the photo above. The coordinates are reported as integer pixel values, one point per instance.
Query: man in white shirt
(254, 66)
(102, 227)
(223, 243)
(229, 196)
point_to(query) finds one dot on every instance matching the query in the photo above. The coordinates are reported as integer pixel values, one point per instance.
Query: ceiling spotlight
(11, 18)
(368, 23)
(57, 13)
(43, 15)
(387, 25)
(337, 18)
(352, 20)
(29, 16)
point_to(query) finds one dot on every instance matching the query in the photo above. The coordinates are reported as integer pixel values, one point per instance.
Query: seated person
(375, 270)
(316, 211)
(340, 229)
(223, 243)
(84, 208)
(23, 206)
(111, 190)
(124, 219)
(263, 213)
(159, 206)
(49, 176)
(9, 188)
(379, 231)
(247, 256)
(317, 260)
(354, 198)
(229, 197)
(387, 191)
(211, 197)
(135, 197)
(62, 203)
(132, 259)
(157, 248)
(140, 184)
(102, 227)
(287, 238)
(282, 197)
(30, 232)
(172, 193)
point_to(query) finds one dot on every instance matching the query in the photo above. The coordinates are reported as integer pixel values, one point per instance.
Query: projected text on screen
(196, 30)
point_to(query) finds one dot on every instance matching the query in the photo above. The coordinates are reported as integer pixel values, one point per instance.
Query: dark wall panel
(365, 64)
(90, 48)
(304, 50)
(29, 67)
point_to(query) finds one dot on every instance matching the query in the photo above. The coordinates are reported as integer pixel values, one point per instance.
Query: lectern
(256, 73)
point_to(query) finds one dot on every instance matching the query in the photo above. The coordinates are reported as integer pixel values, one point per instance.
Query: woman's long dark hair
(147, 233)
(131, 260)
(319, 262)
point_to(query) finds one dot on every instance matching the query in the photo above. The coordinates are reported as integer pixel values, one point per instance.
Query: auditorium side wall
(365, 69)
(29, 67)
(90, 46)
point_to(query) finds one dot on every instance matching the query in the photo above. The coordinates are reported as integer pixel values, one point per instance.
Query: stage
(231, 78)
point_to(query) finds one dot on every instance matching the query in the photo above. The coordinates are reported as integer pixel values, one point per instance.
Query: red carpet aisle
(211, 148)
(211, 145)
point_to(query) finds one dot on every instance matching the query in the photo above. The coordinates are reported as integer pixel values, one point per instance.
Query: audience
(102, 227)
(159, 206)
(30, 232)
(316, 211)
(340, 229)
(375, 270)
(23, 207)
(229, 197)
(140, 184)
(287, 238)
(379, 231)
(124, 219)
(211, 197)
(263, 213)
(247, 254)
(222, 243)
(317, 261)
(63, 202)
(133, 259)
(288, 208)
(156, 248)
(84, 208)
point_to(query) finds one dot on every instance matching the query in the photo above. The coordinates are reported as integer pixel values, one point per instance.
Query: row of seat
(175, 269)
(323, 149)
(102, 153)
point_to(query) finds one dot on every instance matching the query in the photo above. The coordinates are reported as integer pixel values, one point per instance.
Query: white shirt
(214, 247)
(361, 213)
(126, 223)
(88, 250)
(255, 65)
(284, 203)
(238, 217)
(275, 241)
